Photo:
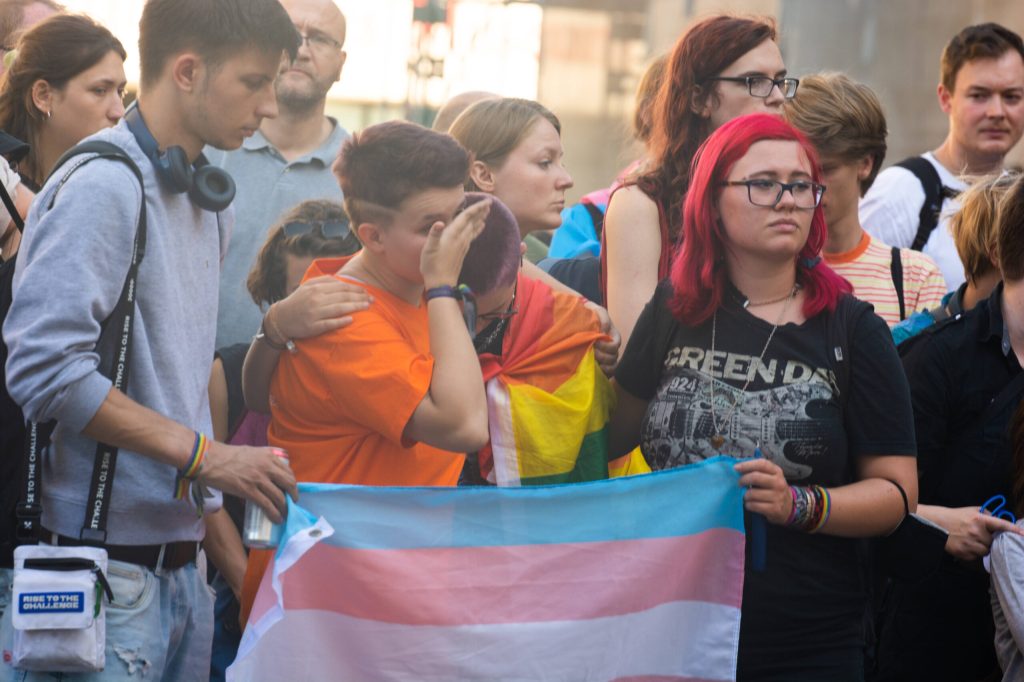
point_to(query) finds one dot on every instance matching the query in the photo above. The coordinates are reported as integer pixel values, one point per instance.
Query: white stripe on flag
(503, 436)
(679, 639)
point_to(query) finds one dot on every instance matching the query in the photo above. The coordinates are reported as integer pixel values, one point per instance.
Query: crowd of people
(224, 293)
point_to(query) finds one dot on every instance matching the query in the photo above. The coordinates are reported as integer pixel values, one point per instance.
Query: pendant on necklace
(717, 441)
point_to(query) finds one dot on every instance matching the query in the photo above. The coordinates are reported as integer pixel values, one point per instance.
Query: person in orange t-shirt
(397, 396)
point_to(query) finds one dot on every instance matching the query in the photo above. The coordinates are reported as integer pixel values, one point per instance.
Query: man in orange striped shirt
(844, 121)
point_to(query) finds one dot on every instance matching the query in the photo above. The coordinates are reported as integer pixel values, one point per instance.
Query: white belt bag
(57, 608)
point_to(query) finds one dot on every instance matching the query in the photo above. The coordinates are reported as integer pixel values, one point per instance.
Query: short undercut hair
(494, 256)
(981, 41)
(842, 118)
(385, 164)
(214, 29)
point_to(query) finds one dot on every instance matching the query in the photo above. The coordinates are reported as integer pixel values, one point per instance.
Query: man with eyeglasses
(287, 161)
(982, 93)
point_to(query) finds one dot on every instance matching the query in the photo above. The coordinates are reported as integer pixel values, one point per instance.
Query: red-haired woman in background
(754, 346)
(721, 68)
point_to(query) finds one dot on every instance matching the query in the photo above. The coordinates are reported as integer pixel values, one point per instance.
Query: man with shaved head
(287, 161)
(447, 114)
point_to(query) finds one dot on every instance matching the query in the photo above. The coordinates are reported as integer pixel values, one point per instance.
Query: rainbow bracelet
(826, 510)
(191, 470)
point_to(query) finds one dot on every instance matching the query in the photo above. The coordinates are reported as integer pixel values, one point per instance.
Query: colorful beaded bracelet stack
(812, 505)
(191, 471)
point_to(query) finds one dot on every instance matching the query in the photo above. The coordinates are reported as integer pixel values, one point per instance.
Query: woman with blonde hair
(517, 156)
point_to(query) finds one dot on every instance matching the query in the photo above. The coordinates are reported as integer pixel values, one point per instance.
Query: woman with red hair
(754, 348)
(722, 67)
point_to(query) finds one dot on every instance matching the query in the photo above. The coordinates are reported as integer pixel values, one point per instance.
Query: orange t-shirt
(339, 404)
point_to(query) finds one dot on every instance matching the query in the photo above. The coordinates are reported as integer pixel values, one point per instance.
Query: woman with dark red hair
(723, 66)
(754, 348)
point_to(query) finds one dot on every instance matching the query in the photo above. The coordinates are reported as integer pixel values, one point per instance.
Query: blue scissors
(1000, 511)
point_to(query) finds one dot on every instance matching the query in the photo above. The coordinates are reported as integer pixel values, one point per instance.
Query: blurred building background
(583, 58)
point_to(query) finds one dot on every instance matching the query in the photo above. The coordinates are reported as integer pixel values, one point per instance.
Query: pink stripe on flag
(661, 678)
(517, 584)
(265, 597)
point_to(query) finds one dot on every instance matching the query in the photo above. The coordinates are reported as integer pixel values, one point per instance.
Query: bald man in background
(451, 109)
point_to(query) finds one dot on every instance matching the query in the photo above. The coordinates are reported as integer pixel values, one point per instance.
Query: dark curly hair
(268, 278)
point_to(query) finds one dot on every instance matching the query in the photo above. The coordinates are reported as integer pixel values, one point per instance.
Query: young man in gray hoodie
(208, 70)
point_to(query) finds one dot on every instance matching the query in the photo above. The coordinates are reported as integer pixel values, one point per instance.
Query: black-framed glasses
(506, 314)
(768, 193)
(330, 229)
(319, 41)
(762, 86)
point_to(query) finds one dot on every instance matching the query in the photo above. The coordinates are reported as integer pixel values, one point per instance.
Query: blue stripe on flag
(598, 511)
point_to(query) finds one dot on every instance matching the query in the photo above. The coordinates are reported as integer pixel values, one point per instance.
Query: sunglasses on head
(330, 229)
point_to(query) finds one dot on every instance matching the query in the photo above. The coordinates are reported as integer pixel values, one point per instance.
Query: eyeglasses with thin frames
(506, 314)
(768, 193)
(762, 86)
(330, 229)
(319, 41)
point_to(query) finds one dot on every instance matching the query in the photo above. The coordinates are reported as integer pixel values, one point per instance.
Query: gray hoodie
(70, 270)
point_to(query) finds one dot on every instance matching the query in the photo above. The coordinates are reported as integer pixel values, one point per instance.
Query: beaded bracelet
(812, 506)
(826, 508)
(194, 467)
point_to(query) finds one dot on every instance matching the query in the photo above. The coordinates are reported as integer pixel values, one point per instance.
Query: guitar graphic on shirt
(787, 422)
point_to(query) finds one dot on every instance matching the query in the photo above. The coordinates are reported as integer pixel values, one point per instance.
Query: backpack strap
(596, 217)
(935, 193)
(838, 328)
(11, 208)
(122, 316)
(896, 269)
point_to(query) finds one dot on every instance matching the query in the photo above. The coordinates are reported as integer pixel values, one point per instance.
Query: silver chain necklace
(718, 439)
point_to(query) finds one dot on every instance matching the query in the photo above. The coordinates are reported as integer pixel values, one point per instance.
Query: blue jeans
(227, 633)
(159, 627)
(6, 576)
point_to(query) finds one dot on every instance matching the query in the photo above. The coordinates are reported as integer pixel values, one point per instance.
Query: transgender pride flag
(635, 578)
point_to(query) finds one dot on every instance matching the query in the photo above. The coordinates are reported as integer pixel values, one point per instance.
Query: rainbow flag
(639, 578)
(548, 402)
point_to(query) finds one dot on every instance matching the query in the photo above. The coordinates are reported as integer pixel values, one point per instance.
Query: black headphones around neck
(209, 187)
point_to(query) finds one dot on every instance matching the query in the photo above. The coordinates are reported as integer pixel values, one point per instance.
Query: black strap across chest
(121, 323)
